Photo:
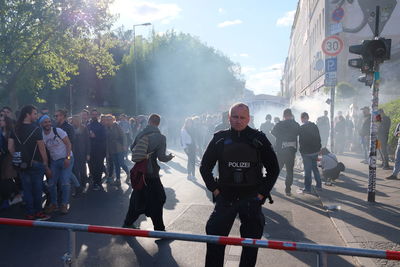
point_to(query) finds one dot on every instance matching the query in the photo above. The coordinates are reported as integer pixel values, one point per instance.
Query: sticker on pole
(338, 14)
(332, 46)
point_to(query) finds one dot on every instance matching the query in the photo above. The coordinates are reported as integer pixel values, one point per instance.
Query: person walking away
(189, 146)
(324, 128)
(81, 150)
(29, 154)
(241, 153)
(62, 162)
(383, 137)
(286, 133)
(310, 146)
(151, 199)
(97, 135)
(267, 127)
(396, 168)
(340, 134)
(364, 132)
(116, 143)
(349, 145)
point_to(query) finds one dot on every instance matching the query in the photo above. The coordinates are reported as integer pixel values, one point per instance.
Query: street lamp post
(134, 65)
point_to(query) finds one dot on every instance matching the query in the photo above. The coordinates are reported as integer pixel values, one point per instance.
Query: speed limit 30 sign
(332, 45)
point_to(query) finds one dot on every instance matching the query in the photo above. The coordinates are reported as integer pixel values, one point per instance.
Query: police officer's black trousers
(286, 158)
(221, 221)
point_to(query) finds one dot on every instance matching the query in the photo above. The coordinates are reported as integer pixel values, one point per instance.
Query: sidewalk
(361, 223)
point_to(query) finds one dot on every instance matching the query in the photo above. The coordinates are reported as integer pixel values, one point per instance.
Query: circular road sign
(338, 14)
(332, 46)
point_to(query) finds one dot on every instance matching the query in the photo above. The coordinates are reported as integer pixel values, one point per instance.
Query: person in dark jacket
(383, 137)
(241, 153)
(81, 149)
(97, 134)
(340, 134)
(310, 146)
(286, 132)
(151, 199)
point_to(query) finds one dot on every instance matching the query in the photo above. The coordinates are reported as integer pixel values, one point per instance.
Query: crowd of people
(34, 145)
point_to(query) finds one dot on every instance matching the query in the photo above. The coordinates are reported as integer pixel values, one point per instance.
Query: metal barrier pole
(69, 258)
(322, 259)
(222, 240)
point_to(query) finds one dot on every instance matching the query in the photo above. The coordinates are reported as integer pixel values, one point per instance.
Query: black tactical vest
(239, 163)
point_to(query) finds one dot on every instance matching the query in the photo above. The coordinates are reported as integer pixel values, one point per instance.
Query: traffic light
(371, 52)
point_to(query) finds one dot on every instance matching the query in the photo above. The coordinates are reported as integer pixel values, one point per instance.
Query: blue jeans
(310, 165)
(118, 162)
(62, 175)
(32, 185)
(396, 169)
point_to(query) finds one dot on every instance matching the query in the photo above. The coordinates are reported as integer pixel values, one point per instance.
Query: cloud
(143, 11)
(243, 55)
(264, 81)
(230, 23)
(246, 70)
(221, 10)
(286, 20)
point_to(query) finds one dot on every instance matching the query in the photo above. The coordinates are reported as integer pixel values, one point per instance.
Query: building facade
(349, 22)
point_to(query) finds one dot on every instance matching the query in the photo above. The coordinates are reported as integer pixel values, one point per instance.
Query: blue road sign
(331, 64)
(338, 14)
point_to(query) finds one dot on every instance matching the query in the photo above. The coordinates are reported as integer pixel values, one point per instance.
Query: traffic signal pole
(373, 134)
(373, 53)
(374, 116)
(332, 113)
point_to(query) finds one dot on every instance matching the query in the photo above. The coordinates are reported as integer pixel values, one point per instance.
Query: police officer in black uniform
(241, 153)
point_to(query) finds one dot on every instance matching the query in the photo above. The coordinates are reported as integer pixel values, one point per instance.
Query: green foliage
(43, 42)
(345, 90)
(392, 109)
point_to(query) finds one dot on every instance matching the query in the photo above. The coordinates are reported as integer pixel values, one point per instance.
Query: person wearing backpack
(29, 157)
(241, 153)
(62, 162)
(151, 198)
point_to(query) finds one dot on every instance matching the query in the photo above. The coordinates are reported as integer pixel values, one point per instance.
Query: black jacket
(285, 131)
(213, 154)
(309, 138)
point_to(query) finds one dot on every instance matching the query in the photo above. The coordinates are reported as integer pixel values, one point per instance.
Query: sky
(253, 33)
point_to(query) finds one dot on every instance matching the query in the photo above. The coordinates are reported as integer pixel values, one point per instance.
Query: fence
(322, 251)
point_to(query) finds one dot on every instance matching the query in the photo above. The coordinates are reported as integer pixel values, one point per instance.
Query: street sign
(331, 64)
(368, 7)
(332, 46)
(336, 28)
(330, 79)
(319, 65)
(338, 14)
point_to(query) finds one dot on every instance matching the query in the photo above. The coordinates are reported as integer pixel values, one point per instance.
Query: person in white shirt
(189, 146)
(61, 164)
(329, 164)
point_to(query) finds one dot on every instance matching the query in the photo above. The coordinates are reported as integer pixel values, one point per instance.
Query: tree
(42, 43)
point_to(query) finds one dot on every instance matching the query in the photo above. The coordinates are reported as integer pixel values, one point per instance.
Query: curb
(346, 235)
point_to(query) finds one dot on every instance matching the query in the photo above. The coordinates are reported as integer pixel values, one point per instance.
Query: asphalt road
(300, 218)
